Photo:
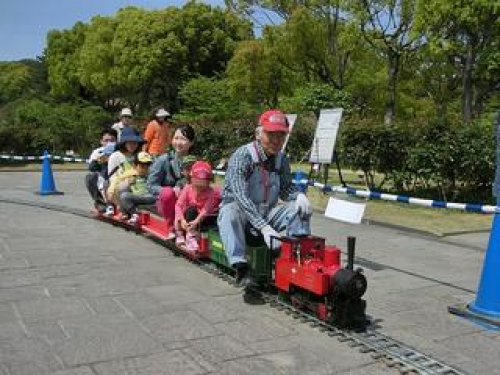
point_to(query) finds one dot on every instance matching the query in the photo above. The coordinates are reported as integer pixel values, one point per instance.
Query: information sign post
(323, 146)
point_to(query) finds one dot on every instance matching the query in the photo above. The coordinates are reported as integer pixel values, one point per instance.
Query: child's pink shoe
(192, 242)
(179, 239)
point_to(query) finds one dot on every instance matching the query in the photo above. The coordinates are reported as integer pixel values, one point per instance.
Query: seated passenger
(166, 180)
(98, 167)
(157, 133)
(257, 176)
(132, 188)
(120, 161)
(197, 204)
(125, 122)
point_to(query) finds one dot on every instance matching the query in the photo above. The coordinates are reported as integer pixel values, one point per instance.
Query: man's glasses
(108, 140)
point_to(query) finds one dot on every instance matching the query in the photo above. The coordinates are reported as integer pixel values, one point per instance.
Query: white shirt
(115, 160)
(118, 126)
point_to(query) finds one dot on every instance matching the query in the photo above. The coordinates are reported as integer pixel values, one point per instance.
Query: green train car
(258, 256)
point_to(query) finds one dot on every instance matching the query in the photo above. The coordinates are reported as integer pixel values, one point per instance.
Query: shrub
(35, 125)
(454, 161)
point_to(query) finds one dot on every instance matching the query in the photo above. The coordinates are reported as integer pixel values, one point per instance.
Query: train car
(304, 271)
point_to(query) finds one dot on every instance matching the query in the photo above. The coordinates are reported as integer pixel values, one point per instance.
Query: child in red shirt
(198, 203)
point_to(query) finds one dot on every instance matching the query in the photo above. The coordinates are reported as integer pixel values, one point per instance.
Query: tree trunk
(392, 82)
(441, 110)
(467, 89)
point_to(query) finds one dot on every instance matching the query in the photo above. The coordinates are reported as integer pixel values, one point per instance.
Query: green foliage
(96, 59)
(316, 96)
(375, 149)
(32, 126)
(454, 158)
(208, 98)
(454, 161)
(142, 57)
(317, 45)
(255, 74)
(62, 59)
(301, 138)
(467, 34)
(22, 79)
(216, 140)
(14, 79)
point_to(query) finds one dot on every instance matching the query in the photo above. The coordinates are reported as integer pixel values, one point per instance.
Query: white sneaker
(134, 219)
(110, 211)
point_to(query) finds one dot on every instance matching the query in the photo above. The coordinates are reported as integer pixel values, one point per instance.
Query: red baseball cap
(201, 170)
(274, 121)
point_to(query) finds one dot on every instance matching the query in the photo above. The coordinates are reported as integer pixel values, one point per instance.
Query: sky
(24, 23)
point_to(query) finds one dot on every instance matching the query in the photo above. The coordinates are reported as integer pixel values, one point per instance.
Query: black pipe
(351, 245)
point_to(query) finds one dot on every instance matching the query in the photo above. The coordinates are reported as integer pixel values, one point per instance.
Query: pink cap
(201, 170)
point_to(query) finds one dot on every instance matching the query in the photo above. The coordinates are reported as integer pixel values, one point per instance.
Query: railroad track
(383, 348)
(391, 352)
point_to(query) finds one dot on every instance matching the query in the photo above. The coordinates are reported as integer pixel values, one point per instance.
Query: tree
(432, 76)
(314, 97)
(208, 98)
(318, 43)
(317, 39)
(62, 58)
(14, 79)
(33, 125)
(468, 33)
(255, 74)
(140, 58)
(96, 59)
(389, 27)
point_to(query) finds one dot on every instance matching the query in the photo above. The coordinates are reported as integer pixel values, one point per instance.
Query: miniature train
(304, 271)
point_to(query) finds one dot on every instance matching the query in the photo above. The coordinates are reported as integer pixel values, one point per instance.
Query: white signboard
(291, 121)
(345, 211)
(325, 136)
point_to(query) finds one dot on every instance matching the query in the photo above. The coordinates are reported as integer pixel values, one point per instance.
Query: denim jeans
(232, 222)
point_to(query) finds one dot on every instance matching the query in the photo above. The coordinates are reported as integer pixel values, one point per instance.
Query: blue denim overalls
(264, 190)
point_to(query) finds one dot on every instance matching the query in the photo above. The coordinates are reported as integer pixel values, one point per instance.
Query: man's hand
(268, 233)
(303, 206)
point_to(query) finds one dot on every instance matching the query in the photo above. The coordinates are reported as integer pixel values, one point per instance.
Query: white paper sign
(325, 136)
(291, 117)
(346, 211)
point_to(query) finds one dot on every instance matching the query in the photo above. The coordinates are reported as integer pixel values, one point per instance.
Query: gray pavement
(79, 297)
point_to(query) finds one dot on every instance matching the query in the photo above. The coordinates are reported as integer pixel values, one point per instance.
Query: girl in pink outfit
(198, 203)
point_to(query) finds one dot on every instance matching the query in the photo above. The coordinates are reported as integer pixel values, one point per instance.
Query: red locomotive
(309, 273)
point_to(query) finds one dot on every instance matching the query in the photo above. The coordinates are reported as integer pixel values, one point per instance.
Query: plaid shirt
(239, 170)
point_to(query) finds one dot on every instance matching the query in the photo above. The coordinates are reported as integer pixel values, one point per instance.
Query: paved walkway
(78, 297)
